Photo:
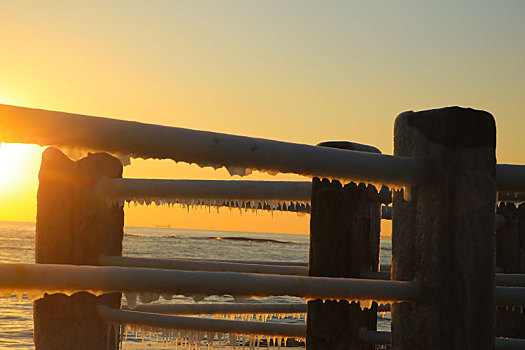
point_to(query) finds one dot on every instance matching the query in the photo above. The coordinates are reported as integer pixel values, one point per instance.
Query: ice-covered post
(344, 240)
(510, 254)
(74, 226)
(443, 230)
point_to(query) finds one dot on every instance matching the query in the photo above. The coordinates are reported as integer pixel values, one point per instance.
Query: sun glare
(13, 163)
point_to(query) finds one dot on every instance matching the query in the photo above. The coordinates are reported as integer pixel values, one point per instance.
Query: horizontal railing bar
(128, 189)
(388, 268)
(256, 328)
(184, 190)
(510, 177)
(374, 337)
(510, 280)
(188, 265)
(230, 308)
(69, 278)
(510, 296)
(511, 196)
(222, 308)
(202, 324)
(237, 153)
(500, 279)
(509, 344)
(256, 262)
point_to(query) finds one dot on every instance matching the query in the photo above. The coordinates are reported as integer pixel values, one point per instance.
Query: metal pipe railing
(238, 154)
(99, 279)
(188, 265)
(510, 177)
(374, 337)
(202, 324)
(223, 308)
(129, 189)
(510, 296)
(253, 328)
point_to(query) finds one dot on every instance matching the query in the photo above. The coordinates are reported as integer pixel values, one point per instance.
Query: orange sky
(295, 71)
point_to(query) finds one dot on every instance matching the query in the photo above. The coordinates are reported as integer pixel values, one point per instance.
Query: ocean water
(17, 246)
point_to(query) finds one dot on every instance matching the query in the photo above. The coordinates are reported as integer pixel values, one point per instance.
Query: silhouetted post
(344, 240)
(443, 232)
(510, 254)
(75, 225)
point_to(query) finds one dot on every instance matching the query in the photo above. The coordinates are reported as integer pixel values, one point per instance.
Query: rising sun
(13, 164)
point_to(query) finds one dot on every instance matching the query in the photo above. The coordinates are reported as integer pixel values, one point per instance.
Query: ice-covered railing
(238, 154)
(510, 280)
(223, 308)
(212, 331)
(188, 265)
(255, 195)
(40, 278)
(70, 279)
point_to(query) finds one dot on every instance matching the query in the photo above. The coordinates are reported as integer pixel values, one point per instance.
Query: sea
(17, 246)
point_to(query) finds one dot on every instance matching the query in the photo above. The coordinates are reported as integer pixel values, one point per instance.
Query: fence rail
(68, 278)
(222, 308)
(223, 190)
(188, 265)
(202, 324)
(238, 154)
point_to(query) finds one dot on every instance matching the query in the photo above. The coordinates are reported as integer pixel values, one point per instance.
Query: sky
(298, 71)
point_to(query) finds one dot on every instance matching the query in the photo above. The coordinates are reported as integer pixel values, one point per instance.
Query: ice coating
(103, 279)
(75, 153)
(190, 340)
(139, 140)
(300, 208)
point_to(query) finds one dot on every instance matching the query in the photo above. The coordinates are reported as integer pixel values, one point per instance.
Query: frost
(188, 204)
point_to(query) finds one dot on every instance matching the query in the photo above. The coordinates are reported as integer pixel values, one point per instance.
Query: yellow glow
(19, 166)
(12, 163)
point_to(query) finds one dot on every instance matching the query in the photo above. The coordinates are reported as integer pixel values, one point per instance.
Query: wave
(216, 238)
(250, 239)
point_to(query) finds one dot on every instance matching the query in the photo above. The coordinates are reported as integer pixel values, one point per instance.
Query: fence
(444, 180)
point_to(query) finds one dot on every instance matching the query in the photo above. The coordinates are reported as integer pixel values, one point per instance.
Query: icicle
(365, 304)
(34, 294)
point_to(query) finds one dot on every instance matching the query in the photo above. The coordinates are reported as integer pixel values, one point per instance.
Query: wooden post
(510, 254)
(344, 240)
(443, 231)
(74, 226)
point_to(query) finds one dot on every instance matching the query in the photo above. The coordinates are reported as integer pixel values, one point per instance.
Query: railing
(444, 162)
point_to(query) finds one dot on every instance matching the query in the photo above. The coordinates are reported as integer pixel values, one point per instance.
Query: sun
(10, 163)
(14, 164)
